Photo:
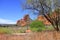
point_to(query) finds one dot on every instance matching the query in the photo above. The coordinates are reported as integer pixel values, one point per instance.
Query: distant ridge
(7, 25)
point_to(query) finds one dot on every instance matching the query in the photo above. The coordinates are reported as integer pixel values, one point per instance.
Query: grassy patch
(5, 30)
(49, 27)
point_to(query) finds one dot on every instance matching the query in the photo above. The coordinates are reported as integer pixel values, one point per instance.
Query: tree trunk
(57, 28)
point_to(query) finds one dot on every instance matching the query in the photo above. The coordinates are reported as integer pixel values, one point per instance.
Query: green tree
(37, 26)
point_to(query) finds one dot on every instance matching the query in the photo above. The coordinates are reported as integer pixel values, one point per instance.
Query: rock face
(43, 19)
(21, 22)
(25, 21)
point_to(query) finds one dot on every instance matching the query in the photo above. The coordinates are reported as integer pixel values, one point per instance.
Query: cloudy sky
(11, 11)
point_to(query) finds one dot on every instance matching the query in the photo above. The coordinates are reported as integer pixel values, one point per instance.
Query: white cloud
(6, 21)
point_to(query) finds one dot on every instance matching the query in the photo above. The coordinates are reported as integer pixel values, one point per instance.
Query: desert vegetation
(46, 26)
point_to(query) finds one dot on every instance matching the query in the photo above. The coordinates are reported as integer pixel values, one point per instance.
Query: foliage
(37, 26)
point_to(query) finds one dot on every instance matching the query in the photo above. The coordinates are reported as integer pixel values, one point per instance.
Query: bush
(37, 26)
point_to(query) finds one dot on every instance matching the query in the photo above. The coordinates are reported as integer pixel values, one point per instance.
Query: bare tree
(45, 7)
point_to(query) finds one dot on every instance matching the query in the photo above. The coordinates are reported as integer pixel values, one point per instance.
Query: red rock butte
(23, 21)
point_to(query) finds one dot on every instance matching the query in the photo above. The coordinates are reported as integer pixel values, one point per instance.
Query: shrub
(37, 26)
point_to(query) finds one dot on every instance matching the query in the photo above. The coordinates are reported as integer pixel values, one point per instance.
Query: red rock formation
(18, 22)
(44, 20)
(23, 22)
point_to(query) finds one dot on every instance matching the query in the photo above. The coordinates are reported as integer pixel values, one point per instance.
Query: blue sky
(11, 11)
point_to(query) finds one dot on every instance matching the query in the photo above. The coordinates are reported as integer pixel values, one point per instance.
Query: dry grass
(44, 35)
